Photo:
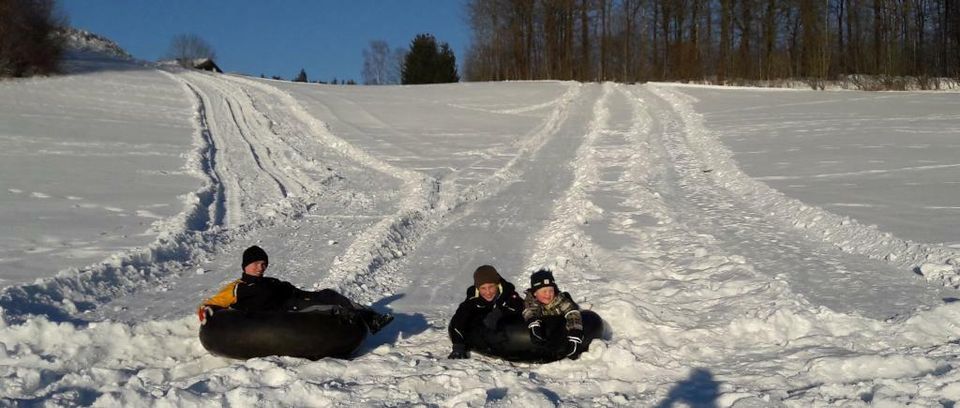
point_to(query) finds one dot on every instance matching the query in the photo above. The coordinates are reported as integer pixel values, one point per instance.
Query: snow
(897, 156)
(722, 280)
(92, 164)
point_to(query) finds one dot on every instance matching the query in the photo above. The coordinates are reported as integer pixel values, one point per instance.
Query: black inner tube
(511, 339)
(312, 334)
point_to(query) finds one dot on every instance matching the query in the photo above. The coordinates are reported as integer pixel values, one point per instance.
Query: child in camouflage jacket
(544, 299)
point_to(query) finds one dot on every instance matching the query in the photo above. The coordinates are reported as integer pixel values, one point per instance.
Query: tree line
(713, 40)
(427, 61)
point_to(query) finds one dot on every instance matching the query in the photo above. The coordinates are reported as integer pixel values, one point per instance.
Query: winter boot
(375, 321)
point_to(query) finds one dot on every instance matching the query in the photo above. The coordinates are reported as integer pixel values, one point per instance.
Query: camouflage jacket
(562, 305)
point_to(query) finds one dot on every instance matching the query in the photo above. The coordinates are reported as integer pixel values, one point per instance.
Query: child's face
(545, 295)
(488, 291)
(255, 268)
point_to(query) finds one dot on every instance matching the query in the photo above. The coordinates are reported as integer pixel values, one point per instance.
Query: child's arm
(532, 310)
(571, 312)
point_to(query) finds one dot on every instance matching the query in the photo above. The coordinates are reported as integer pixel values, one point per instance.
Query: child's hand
(459, 352)
(536, 332)
(575, 344)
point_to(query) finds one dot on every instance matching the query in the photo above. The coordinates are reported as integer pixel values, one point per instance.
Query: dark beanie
(542, 279)
(485, 274)
(252, 255)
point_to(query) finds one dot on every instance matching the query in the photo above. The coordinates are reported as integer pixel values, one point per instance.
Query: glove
(491, 319)
(459, 352)
(536, 332)
(574, 344)
(204, 313)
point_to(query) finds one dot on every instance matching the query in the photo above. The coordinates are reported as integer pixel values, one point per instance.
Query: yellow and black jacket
(251, 293)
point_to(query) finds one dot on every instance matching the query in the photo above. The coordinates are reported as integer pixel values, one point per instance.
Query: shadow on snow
(405, 324)
(701, 390)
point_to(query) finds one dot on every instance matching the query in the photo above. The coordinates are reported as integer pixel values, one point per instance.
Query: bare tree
(723, 40)
(185, 48)
(379, 64)
(395, 66)
(29, 43)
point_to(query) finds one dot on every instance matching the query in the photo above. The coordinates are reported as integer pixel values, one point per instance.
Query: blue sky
(326, 38)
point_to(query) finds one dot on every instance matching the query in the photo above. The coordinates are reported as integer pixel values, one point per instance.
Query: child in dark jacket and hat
(255, 292)
(544, 300)
(488, 302)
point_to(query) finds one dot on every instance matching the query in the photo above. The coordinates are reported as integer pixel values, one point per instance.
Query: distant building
(206, 64)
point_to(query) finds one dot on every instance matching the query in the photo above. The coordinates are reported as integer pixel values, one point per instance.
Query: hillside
(133, 190)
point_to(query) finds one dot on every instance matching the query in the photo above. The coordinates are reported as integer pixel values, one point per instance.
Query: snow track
(700, 197)
(935, 262)
(700, 289)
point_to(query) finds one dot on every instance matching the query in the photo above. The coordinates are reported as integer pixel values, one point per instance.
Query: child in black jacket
(254, 292)
(489, 300)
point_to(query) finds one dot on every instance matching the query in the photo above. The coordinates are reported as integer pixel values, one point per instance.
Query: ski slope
(721, 286)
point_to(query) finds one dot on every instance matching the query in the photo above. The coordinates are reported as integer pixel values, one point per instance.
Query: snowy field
(90, 162)
(747, 248)
(889, 159)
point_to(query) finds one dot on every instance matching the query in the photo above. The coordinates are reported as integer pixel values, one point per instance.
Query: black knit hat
(542, 279)
(253, 254)
(485, 274)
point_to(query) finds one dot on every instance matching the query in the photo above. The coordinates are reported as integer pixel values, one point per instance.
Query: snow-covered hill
(84, 41)
(132, 191)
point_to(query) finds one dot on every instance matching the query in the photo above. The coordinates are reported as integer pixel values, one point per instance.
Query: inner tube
(307, 334)
(511, 340)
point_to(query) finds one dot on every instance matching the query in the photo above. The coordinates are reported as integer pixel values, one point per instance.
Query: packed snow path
(820, 272)
(711, 298)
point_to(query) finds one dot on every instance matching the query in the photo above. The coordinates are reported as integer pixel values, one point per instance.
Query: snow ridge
(936, 263)
(575, 208)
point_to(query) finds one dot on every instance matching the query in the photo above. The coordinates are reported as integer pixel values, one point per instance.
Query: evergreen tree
(429, 63)
(301, 77)
(447, 65)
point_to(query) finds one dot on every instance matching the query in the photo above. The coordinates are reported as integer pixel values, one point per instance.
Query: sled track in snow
(681, 294)
(702, 189)
(936, 263)
(428, 204)
(375, 249)
(190, 235)
(649, 232)
(252, 155)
